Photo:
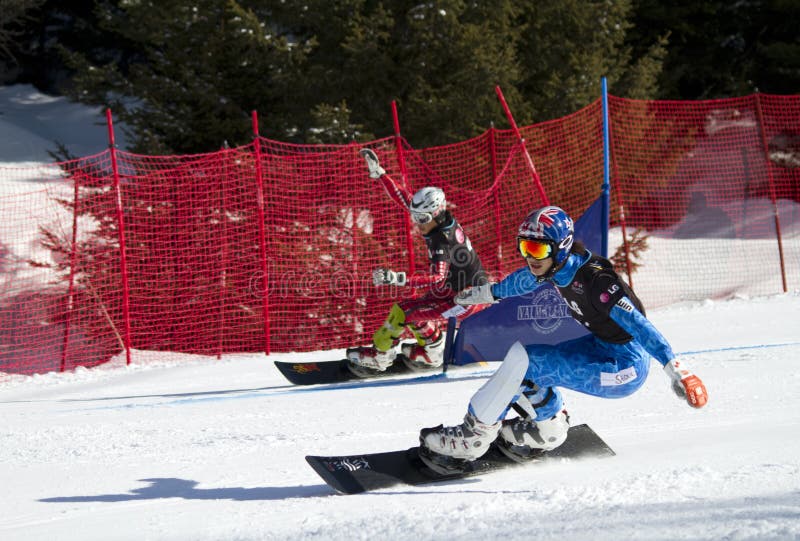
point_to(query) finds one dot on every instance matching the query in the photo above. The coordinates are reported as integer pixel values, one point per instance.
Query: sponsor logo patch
(546, 311)
(625, 305)
(604, 297)
(305, 368)
(460, 235)
(577, 287)
(610, 379)
(348, 464)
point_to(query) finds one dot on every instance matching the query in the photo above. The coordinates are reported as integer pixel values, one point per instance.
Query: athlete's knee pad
(388, 333)
(492, 400)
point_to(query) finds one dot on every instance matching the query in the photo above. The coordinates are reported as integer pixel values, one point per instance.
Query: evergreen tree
(12, 16)
(721, 49)
(439, 61)
(450, 55)
(568, 46)
(318, 71)
(776, 66)
(46, 26)
(200, 67)
(184, 76)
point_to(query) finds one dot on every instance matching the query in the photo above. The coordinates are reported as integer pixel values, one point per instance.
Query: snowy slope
(187, 448)
(177, 448)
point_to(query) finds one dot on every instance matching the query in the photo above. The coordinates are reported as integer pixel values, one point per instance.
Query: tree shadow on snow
(161, 488)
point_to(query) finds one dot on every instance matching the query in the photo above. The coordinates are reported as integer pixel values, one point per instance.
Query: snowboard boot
(523, 439)
(450, 449)
(366, 361)
(420, 358)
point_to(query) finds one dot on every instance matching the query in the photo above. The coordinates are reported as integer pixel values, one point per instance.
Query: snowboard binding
(362, 371)
(522, 454)
(441, 464)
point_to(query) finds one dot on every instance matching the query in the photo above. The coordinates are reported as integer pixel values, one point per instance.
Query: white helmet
(427, 204)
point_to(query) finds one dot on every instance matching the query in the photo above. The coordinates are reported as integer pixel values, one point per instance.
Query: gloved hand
(374, 166)
(481, 294)
(386, 277)
(685, 384)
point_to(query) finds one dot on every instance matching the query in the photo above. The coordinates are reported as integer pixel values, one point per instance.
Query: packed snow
(178, 447)
(173, 447)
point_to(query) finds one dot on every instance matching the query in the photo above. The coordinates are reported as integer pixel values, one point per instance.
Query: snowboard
(337, 371)
(361, 473)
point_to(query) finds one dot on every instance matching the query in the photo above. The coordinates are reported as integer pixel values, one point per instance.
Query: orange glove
(685, 384)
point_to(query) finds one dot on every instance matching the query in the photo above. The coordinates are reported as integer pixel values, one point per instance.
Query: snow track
(199, 448)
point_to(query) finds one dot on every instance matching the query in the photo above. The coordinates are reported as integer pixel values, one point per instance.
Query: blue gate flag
(541, 317)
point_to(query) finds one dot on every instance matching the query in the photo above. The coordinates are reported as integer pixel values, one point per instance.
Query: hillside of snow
(178, 447)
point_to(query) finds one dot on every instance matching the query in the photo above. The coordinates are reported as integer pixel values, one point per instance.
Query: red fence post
(223, 275)
(123, 263)
(528, 158)
(772, 193)
(496, 198)
(262, 237)
(71, 287)
(398, 145)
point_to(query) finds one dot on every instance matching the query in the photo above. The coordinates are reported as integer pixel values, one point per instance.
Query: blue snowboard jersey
(613, 367)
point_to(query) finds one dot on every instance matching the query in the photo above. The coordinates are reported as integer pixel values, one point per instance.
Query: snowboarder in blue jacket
(610, 362)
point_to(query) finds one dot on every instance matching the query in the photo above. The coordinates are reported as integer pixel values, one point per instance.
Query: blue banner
(541, 317)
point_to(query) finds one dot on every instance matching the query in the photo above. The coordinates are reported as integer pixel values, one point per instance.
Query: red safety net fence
(270, 246)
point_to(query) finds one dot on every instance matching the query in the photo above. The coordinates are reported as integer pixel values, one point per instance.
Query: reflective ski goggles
(537, 249)
(421, 218)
